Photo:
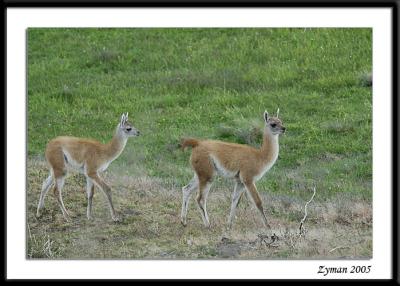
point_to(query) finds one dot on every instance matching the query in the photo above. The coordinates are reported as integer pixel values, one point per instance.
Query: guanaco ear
(122, 122)
(265, 116)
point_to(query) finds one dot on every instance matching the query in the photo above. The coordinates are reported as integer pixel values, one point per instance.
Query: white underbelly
(80, 167)
(73, 164)
(221, 170)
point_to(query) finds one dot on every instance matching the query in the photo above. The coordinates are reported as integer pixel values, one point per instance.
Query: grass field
(206, 83)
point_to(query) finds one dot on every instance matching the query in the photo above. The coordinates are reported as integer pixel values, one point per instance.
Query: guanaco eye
(273, 125)
(128, 129)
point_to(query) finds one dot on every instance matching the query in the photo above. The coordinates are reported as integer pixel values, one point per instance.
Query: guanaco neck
(117, 144)
(270, 147)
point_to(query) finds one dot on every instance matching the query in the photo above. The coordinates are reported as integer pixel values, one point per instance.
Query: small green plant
(365, 79)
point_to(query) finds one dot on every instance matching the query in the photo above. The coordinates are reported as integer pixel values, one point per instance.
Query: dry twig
(338, 247)
(301, 228)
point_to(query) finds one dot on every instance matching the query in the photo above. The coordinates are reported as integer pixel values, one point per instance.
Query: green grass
(212, 83)
(188, 82)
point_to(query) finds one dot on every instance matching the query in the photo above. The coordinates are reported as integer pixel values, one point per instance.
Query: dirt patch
(151, 229)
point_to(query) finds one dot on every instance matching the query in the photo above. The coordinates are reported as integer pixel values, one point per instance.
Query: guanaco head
(126, 127)
(274, 124)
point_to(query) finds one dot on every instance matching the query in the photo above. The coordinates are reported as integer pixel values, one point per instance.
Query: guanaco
(88, 157)
(242, 163)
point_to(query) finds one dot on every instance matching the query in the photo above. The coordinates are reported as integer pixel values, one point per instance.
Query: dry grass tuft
(42, 246)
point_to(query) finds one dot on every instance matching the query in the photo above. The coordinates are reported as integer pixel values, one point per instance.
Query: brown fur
(243, 159)
(86, 156)
(243, 163)
(189, 142)
(91, 153)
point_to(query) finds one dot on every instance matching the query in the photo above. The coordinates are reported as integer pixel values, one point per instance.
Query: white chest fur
(268, 165)
(266, 168)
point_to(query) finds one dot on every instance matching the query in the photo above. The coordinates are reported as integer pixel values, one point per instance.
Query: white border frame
(19, 19)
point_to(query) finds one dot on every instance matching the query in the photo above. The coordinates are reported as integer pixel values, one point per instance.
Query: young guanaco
(88, 157)
(242, 163)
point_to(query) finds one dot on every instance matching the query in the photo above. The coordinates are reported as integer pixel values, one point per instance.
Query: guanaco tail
(88, 157)
(242, 163)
